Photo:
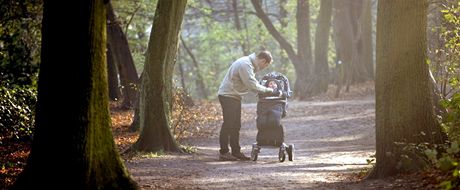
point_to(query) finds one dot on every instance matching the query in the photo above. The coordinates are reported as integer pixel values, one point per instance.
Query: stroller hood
(277, 81)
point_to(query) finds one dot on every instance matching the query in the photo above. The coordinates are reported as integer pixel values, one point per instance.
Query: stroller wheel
(254, 152)
(290, 151)
(281, 155)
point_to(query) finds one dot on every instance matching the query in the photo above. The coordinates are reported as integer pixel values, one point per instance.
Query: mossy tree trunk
(156, 88)
(404, 108)
(73, 147)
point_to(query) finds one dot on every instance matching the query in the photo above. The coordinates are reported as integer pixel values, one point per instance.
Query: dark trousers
(230, 131)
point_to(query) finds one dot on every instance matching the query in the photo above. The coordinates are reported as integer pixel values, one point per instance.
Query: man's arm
(248, 77)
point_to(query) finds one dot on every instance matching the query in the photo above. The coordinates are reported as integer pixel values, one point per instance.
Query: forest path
(331, 138)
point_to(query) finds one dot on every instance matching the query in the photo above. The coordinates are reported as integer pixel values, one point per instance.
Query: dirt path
(331, 139)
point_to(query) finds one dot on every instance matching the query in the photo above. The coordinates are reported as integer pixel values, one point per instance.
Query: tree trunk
(353, 28)
(114, 91)
(358, 68)
(74, 115)
(303, 35)
(366, 50)
(304, 89)
(321, 68)
(239, 29)
(245, 27)
(122, 56)
(404, 108)
(181, 73)
(344, 40)
(136, 124)
(155, 102)
(283, 19)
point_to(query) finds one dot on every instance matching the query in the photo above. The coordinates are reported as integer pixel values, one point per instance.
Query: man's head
(263, 59)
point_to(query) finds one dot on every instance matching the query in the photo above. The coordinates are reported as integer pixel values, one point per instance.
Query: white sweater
(240, 78)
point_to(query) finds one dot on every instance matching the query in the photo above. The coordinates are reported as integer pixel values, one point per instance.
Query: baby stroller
(270, 110)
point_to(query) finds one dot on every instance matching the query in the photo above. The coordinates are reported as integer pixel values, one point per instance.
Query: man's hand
(278, 93)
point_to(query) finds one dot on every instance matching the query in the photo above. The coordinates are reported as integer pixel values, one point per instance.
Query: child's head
(272, 84)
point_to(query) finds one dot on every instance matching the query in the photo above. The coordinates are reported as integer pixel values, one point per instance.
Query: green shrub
(451, 119)
(446, 158)
(17, 112)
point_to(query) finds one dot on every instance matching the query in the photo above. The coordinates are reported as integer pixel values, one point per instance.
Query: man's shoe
(240, 156)
(226, 157)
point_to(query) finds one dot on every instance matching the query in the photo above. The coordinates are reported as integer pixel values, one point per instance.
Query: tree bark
(359, 68)
(404, 108)
(366, 47)
(353, 30)
(344, 41)
(283, 19)
(114, 91)
(74, 115)
(181, 73)
(321, 68)
(303, 35)
(122, 56)
(136, 124)
(155, 101)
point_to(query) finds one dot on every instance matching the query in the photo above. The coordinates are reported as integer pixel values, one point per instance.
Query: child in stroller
(270, 110)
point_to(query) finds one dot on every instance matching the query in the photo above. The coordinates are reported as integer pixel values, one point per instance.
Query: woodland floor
(333, 140)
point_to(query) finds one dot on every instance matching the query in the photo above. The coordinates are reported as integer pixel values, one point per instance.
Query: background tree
(365, 45)
(345, 39)
(112, 76)
(283, 27)
(239, 28)
(88, 159)
(156, 90)
(202, 91)
(353, 39)
(404, 108)
(119, 50)
(321, 65)
(135, 19)
(302, 59)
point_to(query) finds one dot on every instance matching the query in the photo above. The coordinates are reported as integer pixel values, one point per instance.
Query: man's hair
(265, 55)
